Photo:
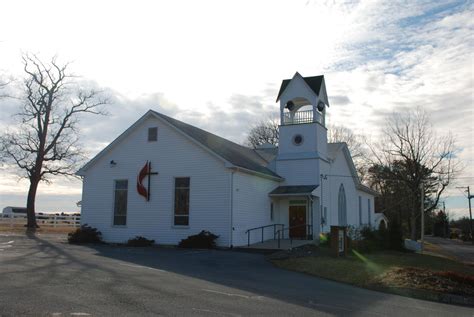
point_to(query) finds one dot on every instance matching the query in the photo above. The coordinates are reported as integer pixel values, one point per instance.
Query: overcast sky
(218, 65)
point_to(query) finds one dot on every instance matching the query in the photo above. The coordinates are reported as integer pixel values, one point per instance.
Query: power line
(390, 179)
(469, 196)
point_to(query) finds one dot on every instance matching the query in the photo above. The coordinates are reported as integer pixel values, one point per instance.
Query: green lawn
(373, 270)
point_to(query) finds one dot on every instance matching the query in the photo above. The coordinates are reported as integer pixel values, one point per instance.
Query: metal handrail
(310, 227)
(263, 227)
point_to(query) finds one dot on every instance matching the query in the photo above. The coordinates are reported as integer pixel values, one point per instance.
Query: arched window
(342, 210)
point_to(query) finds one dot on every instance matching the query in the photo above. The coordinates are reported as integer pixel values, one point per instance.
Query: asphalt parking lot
(43, 276)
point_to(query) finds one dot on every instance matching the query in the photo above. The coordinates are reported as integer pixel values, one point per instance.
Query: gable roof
(333, 149)
(313, 82)
(237, 155)
(234, 153)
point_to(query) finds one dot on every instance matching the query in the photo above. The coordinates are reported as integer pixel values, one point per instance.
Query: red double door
(297, 218)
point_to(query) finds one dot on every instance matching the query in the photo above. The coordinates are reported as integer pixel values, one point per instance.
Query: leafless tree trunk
(45, 142)
(415, 155)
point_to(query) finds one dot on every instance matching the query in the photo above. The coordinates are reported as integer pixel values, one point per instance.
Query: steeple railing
(299, 117)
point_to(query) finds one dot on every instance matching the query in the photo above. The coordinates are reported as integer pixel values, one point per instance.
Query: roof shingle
(234, 153)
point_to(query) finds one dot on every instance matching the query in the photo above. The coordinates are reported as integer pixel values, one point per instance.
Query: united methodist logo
(145, 172)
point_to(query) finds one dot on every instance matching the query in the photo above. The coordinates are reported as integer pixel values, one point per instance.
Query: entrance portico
(296, 208)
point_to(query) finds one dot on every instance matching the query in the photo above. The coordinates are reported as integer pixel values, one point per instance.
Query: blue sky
(218, 65)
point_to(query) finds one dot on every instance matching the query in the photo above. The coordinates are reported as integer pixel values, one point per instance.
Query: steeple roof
(313, 82)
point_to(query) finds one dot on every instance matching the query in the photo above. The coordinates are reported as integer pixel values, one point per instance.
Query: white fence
(46, 220)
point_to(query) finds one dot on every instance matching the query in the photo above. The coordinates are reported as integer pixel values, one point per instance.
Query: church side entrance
(297, 218)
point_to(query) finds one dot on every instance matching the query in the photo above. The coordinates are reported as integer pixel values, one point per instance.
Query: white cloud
(218, 65)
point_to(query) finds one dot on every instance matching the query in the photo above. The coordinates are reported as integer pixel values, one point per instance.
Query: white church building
(165, 179)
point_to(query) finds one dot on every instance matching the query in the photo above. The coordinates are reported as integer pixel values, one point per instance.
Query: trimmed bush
(372, 240)
(203, 240)
(140, 241)
(368, 233)
(85, 234)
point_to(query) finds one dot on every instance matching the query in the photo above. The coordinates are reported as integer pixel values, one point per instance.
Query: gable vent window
(298, 139)
(152, 134)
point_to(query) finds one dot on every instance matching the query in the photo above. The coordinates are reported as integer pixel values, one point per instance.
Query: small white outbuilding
(165, 180)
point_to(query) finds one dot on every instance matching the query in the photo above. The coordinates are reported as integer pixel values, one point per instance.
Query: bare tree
(3, 85)
(356, 144)
(412, 154)
(265, 131)
(45, 141)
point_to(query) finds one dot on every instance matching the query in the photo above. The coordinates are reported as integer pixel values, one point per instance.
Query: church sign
(145, 172)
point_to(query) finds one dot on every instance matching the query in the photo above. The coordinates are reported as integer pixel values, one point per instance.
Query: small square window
(152, 134)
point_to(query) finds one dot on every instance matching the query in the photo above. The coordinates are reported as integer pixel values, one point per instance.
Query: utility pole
(470, 212)
(422, 209)
(469, 196)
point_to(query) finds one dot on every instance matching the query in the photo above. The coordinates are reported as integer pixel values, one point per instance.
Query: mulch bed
(423, 279)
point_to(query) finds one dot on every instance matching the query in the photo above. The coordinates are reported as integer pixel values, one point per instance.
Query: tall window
(271, 211)
(152, 134)
(120, 202)
(369, 212)
(360, 211)
(181, 201)
(325, 215)
(342, 213)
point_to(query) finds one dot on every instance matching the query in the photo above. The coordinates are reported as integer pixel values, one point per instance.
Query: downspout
(322, 206)
(312, 220)
(231, 209)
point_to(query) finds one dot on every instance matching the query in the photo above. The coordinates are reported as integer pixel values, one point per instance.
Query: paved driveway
(44, 276)
(463, 251)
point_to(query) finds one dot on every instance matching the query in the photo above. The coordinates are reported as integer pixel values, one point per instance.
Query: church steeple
(303, 100)
(302, 132)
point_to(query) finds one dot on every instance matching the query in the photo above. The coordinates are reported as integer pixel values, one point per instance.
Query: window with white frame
(325, 215)
(342, 207)
(152, 134)
(181, 201)
(120, 202)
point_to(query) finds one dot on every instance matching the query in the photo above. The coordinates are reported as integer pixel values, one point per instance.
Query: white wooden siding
(340, 167)
(299, 172)
(365, 209)
(173, 155)
(251, 207)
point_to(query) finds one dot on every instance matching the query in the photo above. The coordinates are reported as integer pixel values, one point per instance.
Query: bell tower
(303, 133)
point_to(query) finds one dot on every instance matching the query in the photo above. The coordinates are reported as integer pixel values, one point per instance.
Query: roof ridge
(194, 127)
(230, 151)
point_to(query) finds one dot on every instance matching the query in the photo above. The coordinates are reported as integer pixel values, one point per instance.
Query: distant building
(165, 179)
(11, 211)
